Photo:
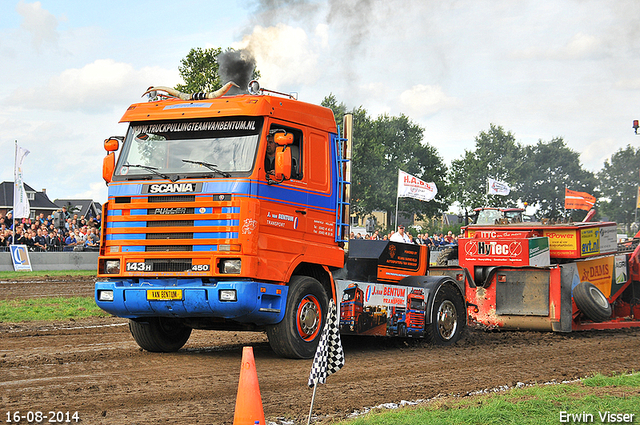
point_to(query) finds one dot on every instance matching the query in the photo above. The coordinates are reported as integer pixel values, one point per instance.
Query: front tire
(447, 317)
(298, 334)
(160, 334)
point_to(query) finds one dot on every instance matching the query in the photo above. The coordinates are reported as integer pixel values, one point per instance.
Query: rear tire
(298, 334)
(592, 302)
(447, 317)
(160, 334)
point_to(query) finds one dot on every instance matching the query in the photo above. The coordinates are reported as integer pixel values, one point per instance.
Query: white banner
(498, 188)
(412, 187)
(21, 207)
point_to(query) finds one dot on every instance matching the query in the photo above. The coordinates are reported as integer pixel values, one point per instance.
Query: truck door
(283, 207)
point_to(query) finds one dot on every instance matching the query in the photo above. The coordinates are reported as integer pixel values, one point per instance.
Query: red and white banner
(574, 200)
(412, 187)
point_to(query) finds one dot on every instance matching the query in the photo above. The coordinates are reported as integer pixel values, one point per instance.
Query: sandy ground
(94, 367)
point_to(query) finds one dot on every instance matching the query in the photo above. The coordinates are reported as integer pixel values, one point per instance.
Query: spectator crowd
(61, 231)
(435, 240)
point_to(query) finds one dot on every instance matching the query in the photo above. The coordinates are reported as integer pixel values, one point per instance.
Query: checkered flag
(329, 356)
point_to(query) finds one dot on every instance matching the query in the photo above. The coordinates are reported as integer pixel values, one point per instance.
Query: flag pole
(396, 224)
(313, 397)
(486, 196)
(13, 216)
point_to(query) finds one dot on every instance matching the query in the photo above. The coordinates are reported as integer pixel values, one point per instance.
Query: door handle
(301, 212)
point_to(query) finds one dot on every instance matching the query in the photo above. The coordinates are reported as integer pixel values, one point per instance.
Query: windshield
(416, 304)
(488, 217)
(349, 295)
(213, 147)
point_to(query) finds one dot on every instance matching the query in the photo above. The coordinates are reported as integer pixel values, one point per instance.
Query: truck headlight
(112, 266)
(227, 295)
(104, 295)
(230, 265)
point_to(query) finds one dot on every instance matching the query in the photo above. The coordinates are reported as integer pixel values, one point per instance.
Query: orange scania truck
(200, 233)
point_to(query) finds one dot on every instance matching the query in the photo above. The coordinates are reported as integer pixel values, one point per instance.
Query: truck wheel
(160, 334)
(592, 302)
(298, 334)
(447, 317)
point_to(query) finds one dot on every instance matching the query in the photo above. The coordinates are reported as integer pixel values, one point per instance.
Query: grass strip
(593, 400)
(54, 308)
(44, 273)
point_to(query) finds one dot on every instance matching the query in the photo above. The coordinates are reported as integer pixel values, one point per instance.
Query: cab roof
(282, 108)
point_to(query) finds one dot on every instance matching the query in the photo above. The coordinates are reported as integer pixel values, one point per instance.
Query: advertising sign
(598, 271)
(608, 239)
(589, 241)
(562, 243)
(621, 269)
(20, 258)
(380, 309)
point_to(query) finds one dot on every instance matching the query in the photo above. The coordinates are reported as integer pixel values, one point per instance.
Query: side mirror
(283, 139)
(112, 144)
(283, 163)
(108, 166)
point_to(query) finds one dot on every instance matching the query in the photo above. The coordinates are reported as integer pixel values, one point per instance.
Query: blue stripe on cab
(126, 236)
(133, 249)
(216, 235)
(200, 223)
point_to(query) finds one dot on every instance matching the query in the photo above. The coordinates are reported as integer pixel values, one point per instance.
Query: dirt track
(93, 366)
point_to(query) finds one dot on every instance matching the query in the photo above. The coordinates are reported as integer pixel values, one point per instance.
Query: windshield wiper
(154, 170)
(212, 167)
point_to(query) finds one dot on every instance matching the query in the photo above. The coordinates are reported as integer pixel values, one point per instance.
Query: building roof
(40, 202)
(82, 207)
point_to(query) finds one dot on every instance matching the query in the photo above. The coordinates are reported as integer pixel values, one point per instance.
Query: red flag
(578, 200)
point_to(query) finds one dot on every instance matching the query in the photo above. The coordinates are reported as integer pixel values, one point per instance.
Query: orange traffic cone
(248, 402)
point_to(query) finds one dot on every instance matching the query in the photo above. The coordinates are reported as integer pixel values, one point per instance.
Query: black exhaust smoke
(236, 66)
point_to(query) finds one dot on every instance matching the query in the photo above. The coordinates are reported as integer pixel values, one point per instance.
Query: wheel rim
(308, 318)
(447, 320)
(599, 298)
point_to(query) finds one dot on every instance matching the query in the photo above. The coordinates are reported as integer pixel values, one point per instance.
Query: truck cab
(199, 234)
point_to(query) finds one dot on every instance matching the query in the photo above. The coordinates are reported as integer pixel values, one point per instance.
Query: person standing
(400, 236)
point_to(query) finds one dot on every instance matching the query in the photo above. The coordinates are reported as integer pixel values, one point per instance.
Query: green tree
(497, 155)
(380, 147)
(618, 181)
(200, 71)
(550, 168)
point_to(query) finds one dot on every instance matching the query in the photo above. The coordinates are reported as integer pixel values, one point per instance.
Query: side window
(296, 149)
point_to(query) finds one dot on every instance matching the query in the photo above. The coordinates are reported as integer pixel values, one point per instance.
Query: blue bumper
(256, 302)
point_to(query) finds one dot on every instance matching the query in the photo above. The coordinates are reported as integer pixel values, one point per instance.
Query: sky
(539, 68)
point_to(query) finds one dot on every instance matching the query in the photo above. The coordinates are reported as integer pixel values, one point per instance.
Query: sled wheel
(159, 334)
(447, 254)
(447, 317)
(298, 334)
(592, 302)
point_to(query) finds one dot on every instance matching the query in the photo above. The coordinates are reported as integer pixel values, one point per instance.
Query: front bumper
(256, 302)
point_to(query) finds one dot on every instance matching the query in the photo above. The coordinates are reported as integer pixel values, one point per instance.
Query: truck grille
(170, 223)
(168, 248)
(170, 265)
(138, 226)
(169, 235)
(172, 198)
